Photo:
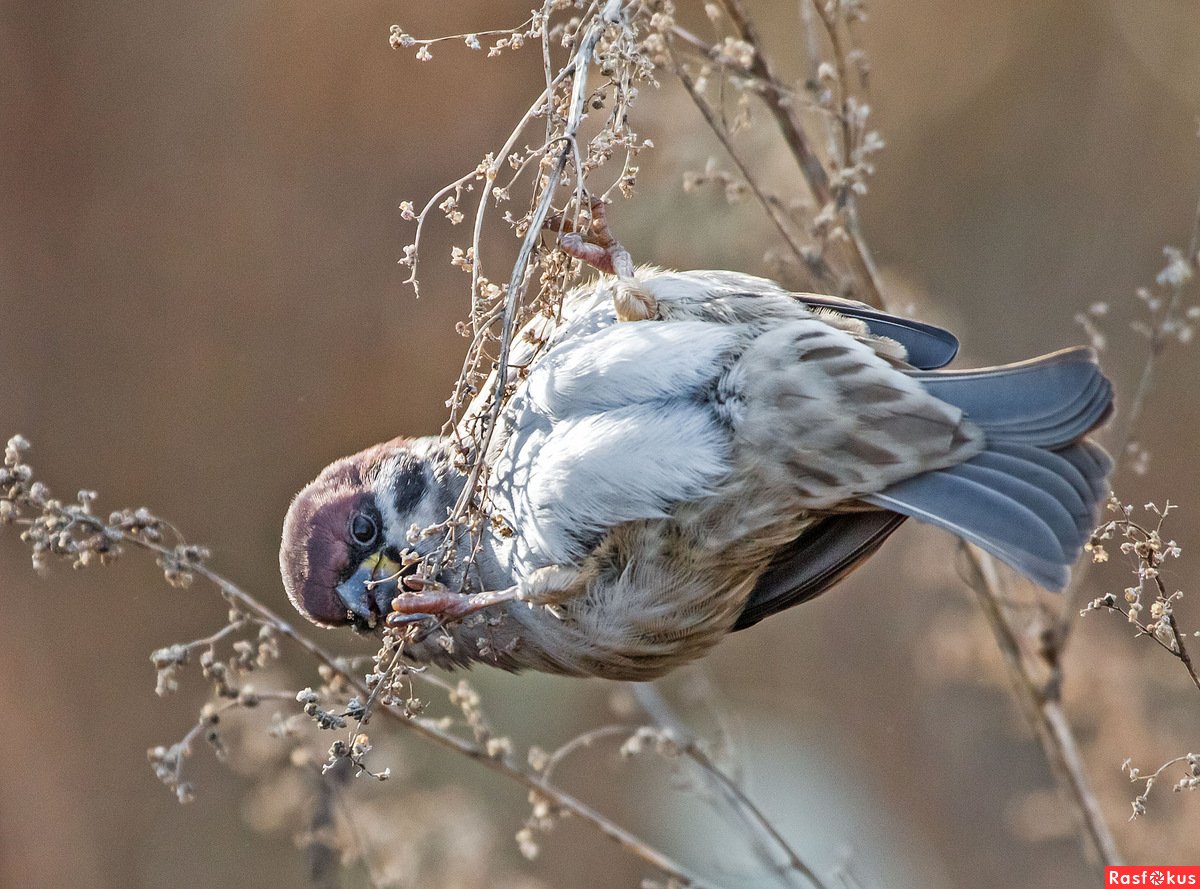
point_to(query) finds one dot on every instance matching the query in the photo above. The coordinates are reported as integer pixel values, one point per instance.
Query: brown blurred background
(201, 307)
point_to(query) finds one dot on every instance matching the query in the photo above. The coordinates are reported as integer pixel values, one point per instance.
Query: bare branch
(1037, 698)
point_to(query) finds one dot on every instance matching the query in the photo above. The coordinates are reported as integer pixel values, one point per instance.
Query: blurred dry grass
(198, 235)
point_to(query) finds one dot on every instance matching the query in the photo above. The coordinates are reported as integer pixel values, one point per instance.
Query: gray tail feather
(1031, 498)
(1049, 402)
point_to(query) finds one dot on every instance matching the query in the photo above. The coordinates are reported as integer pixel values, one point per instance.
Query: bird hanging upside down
(716, 452)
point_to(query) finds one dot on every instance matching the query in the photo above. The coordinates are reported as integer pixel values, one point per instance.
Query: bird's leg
(440, 603)
(546, 586)
(603, 252)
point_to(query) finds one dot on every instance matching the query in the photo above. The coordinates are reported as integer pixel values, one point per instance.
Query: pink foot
(597, 247)
(437, 603)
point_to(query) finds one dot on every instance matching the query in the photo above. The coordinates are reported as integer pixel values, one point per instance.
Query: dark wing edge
(928, 347)
(816, 560)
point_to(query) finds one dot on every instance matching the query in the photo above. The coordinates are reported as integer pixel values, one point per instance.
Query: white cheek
(427, 512)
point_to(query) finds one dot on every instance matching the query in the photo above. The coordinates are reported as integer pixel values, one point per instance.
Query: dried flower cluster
(548, 173)
(550, 164)
(1147, 549)
(1168, 315)
(823, 120)
(1189, 781)
(249, 643)
(549, 177)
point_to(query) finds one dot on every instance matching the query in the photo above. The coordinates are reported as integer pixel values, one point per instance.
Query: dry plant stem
(1157, 343)
(505, 150)
(517, 281)
(1155, 346)
(1150, 560)
(375, 877)
(1180, 650)
(653, 702)
(813, 49)
(713, 54)
(427, 729)
(1044, 713)
(862, 267)
(814, 262)
(1183, 653)
(581, 742)
(839, 61)
(170, 559)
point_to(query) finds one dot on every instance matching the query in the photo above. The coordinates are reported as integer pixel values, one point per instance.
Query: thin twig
(863, 275)
(845, 146)
(813, 52)
(1178, 650)
(1156, 343)
(578, 69)
(657, 707)
(809, 258)
(1043, 711)
(90, 535)
(713, 55)
(1182, 652)
(430, 730)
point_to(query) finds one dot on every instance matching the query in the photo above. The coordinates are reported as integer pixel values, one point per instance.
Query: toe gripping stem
(595, 244)
(597, 247)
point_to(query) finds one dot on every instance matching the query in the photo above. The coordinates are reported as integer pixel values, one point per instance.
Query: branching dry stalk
(518, 281)
(1146, 546)
(833, 194)
(1149, 551)
(1190, 780)
(1168, 321)
(810, 258)
(70, 532)
(610, 37)
(1036, 675)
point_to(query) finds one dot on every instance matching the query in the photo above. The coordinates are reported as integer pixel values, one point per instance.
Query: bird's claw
(418, 583)
(395, 619)
(596, 245)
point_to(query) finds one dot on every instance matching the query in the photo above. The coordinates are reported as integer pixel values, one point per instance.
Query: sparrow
(686, 454)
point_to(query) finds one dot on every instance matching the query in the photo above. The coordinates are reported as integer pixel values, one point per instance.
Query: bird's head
(346, 532)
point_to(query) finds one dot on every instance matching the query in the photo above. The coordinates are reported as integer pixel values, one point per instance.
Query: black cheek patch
(410, 486)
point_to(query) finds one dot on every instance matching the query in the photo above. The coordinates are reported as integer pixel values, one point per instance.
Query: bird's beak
(369, 591)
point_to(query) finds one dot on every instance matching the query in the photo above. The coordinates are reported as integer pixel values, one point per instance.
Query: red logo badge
(1152, 876)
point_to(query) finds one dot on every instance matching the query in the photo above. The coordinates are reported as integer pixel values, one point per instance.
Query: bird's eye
(363, 529)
